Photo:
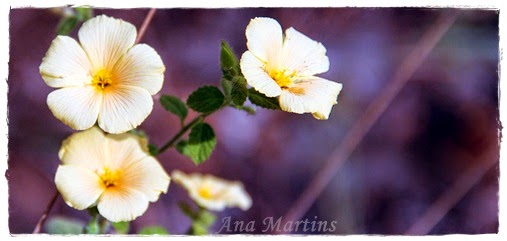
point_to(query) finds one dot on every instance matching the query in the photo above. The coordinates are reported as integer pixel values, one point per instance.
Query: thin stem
(370, 116)
(454, 194)
(42, 219)
(178, 135)
(145, 25)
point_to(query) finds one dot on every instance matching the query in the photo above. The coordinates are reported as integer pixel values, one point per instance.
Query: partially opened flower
(113, 172)
(213, 193)
(285, 67)
(104, 78)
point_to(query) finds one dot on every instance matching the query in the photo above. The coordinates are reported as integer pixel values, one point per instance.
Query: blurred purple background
(443, 121)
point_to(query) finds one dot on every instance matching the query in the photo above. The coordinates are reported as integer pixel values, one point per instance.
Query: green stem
(183, 130)
(187, 127)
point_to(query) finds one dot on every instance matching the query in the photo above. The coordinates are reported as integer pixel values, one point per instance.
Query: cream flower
(110, 171)
(105, 77)
(284, 67)
(213, 193)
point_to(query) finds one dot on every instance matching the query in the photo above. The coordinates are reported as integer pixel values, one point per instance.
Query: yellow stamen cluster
(102, 79)
(110, 178)
(205, 192)
(282, 78)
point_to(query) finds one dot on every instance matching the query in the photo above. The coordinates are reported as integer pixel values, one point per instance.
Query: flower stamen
(110, 178)
(282, 78)
(102, 79)
(205, 192)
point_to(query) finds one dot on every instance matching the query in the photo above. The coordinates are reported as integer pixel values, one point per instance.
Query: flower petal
(65, 64)
(311, 95)
(80, 187)
(122, 204)
(236, 196)
(303, 55)
(141, 66)
(264, 39)
(147, 176)
(124, 108)
(127, 151)
(105, 40)
(256, 76)
(88, 149)
(77, 107)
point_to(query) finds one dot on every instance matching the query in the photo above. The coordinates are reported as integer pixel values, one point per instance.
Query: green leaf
(66, 25)
(121, 227)
(174, 105)
(228, 61)
(153, 149)
(201, 143)
(187, 210)
(84, 13)
(206, 218)
(227, 87)
(198, 229)
(206, 99)
(63, 225)
(239, 91)
(150, 230)
(262, 100)
(181, 147)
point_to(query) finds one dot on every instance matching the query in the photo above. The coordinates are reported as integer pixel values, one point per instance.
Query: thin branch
(42, 219)
(50, 205)
(405, 71)
(178, 135)
(454, 194)
(145, 25)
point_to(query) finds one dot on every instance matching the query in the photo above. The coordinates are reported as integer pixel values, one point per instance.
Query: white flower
(213, 193)
(113, 172)
(284, 67)
(105, 77)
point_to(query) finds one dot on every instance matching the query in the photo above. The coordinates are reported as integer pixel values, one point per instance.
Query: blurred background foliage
(444, 120)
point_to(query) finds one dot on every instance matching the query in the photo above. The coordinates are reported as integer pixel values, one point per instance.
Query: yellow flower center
(110, 178)
(102, 79)
(205, 192)
(282, 78)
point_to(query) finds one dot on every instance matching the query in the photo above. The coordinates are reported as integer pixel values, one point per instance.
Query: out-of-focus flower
(213, 193)
(111, 171)
(284, 67)
(104, 77)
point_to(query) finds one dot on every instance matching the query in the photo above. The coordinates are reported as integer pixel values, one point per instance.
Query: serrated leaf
(206, 99)
(228, 61)
(262, 100)
(63, 225)
(121, 227)
(201, 143)
(174, 105)
(239, 91)
(150, 230)
(66, 25)
(181, 147)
